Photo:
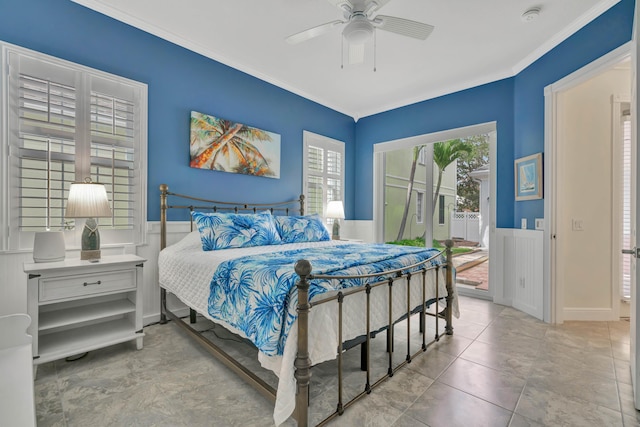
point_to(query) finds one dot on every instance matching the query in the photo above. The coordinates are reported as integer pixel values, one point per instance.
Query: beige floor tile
(555, 409)
(497, 387)
(499, 360)
(445, 406)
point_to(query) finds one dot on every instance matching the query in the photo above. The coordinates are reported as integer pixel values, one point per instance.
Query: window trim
(13, 239)
(310, 138)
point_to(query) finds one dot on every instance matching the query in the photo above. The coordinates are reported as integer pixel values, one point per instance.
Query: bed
(300, 300)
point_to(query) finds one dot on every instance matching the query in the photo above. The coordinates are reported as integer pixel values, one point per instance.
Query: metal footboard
(303, 268)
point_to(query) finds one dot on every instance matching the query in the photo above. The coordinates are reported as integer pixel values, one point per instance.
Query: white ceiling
(474, 42)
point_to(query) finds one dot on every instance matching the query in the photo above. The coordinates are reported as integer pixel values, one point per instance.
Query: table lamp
(88, 200)
(335, 210)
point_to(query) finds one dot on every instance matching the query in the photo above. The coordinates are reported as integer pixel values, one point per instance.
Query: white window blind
(625, 291)
(66, 122)
(323, 174)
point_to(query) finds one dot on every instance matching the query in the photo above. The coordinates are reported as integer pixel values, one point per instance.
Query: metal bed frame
(303, 269)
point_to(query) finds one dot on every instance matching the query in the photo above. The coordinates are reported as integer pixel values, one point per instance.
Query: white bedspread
(186, 271)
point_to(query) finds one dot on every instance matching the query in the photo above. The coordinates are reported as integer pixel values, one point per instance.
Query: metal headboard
(289, 207)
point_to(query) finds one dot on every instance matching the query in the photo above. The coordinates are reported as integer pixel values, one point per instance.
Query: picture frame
(528, 177)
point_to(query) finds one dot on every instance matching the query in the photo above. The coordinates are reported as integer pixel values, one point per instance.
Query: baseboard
(589, 314)
(503, 301)
(150, 319)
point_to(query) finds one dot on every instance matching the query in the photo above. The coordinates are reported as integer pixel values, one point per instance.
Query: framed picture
(528, 177)
(222, 145)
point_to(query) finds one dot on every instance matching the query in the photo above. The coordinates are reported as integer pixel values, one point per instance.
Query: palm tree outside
(444, 154)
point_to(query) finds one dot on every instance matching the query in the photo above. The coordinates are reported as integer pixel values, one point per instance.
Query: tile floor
(500, 368)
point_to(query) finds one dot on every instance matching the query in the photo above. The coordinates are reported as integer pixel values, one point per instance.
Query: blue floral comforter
(257, 294)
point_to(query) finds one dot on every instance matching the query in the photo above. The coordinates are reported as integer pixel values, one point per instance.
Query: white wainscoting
(519, 279)
(13, 281)
(361, 229)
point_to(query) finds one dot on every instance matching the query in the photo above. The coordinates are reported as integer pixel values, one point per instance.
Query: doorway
(582, 155)
(417, 200)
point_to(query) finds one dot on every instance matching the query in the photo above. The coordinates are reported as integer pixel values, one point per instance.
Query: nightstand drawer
(57, 288)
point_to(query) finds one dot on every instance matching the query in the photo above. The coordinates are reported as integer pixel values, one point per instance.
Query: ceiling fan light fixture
(358, 31)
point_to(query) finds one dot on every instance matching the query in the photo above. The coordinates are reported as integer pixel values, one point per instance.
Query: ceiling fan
(360, 22)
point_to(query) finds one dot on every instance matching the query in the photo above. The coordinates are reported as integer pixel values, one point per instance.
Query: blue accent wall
(481, 104)
(516, 104)
(604, 34)
(180, 81)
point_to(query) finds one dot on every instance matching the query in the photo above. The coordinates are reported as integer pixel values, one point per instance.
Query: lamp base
(90, 240)
(90, 255)
(336, 230)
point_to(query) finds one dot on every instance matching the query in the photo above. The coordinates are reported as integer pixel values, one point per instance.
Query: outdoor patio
(472, 269)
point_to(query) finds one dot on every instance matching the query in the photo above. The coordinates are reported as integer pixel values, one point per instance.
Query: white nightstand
(78, 306)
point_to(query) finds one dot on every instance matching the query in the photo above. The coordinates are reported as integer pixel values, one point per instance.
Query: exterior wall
(398, 168)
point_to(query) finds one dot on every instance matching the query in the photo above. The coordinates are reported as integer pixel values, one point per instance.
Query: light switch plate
(577, 224)
(539, 223)
(523, 223)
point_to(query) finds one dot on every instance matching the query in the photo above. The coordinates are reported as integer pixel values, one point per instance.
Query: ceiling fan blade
(342, 5)
(374, 5)
(356, 53)
(404, 27)
(312, 32)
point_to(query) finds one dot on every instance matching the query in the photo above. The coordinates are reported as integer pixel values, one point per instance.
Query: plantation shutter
(42, 142)
(113, 150)
(67, 123)
(324, 172)
(625, 283)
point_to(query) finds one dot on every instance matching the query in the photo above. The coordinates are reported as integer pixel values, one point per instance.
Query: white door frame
(554, 289)
(430, 138)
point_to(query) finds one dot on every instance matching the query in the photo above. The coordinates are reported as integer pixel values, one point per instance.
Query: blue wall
(486, 103)
(180, 81)
(517, 104)
(605, 33)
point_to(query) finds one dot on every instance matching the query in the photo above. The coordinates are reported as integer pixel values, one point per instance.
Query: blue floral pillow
(298, 229)
(227, 230)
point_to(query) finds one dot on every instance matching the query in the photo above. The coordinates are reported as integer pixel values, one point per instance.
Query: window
(64, 123)
(625, 281)
(422, 156)
(323, 174)
(441, 202)
(419, 207)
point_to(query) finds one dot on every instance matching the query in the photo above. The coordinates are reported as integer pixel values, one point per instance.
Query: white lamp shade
(87, 200)
(335, 210)
(48, 246)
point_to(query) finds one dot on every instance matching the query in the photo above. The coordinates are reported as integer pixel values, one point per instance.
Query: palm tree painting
(223, 145)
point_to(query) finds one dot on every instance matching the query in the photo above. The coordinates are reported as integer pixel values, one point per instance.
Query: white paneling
(361, 229)
(520, 267)
(151, 291)
(13, 281)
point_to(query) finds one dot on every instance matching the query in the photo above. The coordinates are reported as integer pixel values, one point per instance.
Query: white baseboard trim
(589, 314)
(503, 301)
(150, 319)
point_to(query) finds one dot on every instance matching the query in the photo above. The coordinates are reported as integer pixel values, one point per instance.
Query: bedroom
(176, 78)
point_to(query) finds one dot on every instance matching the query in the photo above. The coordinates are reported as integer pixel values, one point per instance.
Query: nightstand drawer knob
(92, 283)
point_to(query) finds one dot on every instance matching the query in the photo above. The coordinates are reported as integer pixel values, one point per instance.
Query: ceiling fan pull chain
(375, 44)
